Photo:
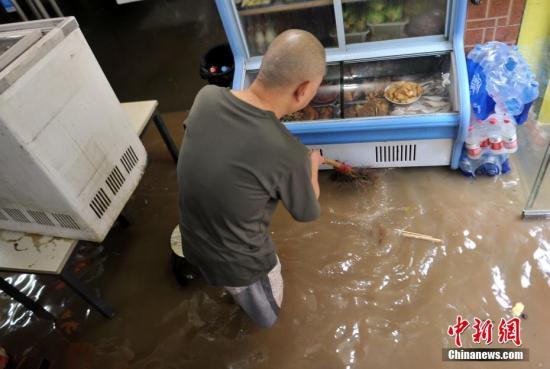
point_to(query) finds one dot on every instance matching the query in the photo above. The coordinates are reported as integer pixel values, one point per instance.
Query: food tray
(390, 30)
(328, 94)
(357, 37)
(367, 112)
(336, 113)
(264, 4)
(401, 103)
(354, 37)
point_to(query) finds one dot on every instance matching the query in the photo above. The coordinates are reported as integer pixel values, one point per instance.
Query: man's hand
(316, 160)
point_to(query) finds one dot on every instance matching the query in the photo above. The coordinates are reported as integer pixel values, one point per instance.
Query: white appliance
(69, 158)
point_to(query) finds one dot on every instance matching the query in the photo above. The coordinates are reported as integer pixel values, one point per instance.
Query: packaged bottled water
(502, 90)
(501, 81)
(488, 164)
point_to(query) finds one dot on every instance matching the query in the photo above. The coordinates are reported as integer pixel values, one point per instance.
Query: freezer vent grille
(17, 215)
(115, 180)
(40, 217)
(66, 221)
(129, 159)
(100, 203)
(395, 153)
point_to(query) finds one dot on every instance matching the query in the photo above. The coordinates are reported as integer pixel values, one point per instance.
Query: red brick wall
(493, 20)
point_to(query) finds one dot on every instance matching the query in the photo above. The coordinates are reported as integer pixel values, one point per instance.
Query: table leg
(165, 134)
(123, 220)
(25, 301)
(84, 291)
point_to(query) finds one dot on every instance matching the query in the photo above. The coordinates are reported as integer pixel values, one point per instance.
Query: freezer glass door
(263, 20)
(380, 20)
(376, 88)
(326, 104)
(405, 86)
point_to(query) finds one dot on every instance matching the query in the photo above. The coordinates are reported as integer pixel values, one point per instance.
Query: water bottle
(491, 166)
(496, 144)
(530, 92)
(466, 167)
(482, 129)
(522, 118)
(511, 63)
(475, 56)
(505, 166)
(493, 124)
(473, 141)
(495, 55)
(509, 135)
(513, 105)
(482, 103)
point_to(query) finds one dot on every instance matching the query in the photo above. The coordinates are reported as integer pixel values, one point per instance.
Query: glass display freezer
(357, 115)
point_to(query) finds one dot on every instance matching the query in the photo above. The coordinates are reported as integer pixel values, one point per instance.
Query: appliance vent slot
(129, 159)
(115, 180)
(66, 221)
(40, 217)
(395, 153)
(17, 215)
(100, 203)
(2, 216)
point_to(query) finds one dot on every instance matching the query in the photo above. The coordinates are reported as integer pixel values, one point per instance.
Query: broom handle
(419, 236)
(332, 163)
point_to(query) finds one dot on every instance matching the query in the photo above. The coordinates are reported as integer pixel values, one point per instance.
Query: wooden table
(35, 254)
(141, 113)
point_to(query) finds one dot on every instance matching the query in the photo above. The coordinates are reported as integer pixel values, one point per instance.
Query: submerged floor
(356, 293)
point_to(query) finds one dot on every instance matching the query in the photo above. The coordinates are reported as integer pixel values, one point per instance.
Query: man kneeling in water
(237, 161)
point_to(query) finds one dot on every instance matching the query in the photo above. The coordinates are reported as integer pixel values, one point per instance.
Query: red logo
(508, 331)
(483, 331)
(457, 329)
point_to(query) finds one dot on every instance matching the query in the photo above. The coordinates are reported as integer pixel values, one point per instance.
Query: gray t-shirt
(236, 162)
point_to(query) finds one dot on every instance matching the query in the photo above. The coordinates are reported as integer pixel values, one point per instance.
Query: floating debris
(518, 309)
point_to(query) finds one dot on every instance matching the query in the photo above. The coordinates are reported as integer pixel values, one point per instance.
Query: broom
(346, 173)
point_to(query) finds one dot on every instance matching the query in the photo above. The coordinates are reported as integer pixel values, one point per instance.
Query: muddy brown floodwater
(357, 294)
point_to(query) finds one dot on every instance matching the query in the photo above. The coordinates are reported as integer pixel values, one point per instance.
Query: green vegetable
(394, 13)
(361, 25)
(348, 26)
(346, 14)
(377, 5)
(376, 18)
(417, 7)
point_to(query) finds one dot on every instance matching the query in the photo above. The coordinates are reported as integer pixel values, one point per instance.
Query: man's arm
(299, 188)
(316, 160)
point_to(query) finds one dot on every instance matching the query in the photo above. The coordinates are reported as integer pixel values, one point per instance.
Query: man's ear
(300, 90)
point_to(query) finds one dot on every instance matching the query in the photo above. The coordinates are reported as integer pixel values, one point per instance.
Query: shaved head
(293, 57)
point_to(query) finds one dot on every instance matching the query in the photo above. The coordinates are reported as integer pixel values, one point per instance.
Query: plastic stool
(182, 269)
